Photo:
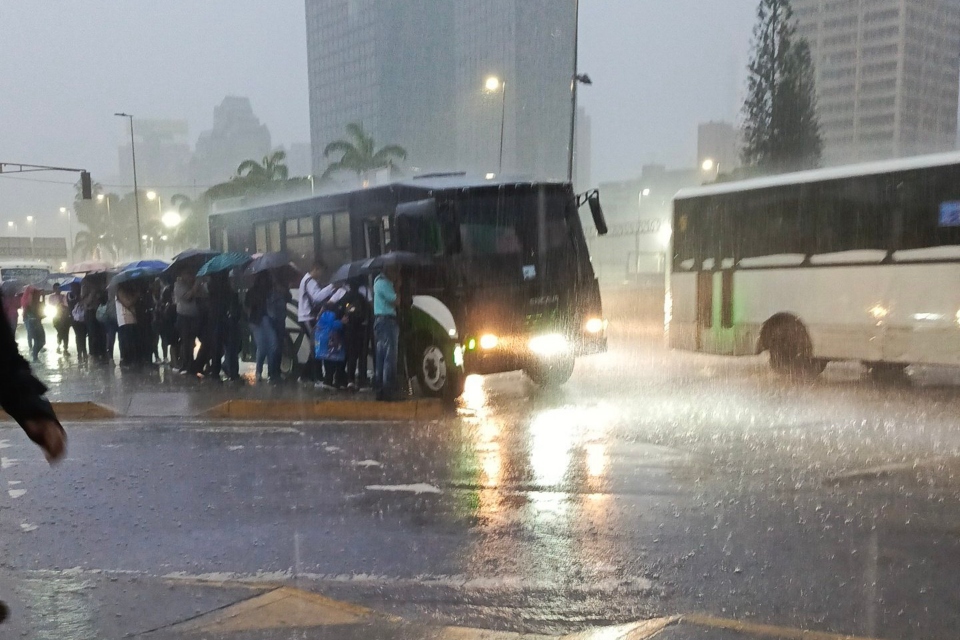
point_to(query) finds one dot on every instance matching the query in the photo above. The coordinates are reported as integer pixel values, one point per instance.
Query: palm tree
(271, 168)
(359, 154)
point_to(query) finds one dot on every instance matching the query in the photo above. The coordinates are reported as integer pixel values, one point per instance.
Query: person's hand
(50, 437)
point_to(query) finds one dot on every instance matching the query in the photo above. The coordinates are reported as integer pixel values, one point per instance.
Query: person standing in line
(330, 345)
(167, 326)
(185, 294)
(78, 320)
(32, 305)
(311, 297)
(223, 335)
(128, 331)
(277, 301)
(356, 330)
(255, 306)
(92, 295)
(61, 321)
(386, 331)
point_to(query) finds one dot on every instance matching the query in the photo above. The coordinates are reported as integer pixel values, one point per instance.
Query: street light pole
(136, 193)
(492, 85)
(69, 230)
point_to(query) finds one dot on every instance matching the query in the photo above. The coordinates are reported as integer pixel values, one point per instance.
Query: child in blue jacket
(330, 346)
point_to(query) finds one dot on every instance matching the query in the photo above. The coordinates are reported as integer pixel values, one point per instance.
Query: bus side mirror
(593, 199)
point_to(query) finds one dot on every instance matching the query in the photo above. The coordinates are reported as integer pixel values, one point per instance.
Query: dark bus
(507, 283)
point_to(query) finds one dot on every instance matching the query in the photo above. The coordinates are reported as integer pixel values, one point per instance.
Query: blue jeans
(36, 336)
(386, 334)
(268, 347)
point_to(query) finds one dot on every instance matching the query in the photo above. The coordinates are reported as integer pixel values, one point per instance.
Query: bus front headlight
(489, 341)
(595, 325)
(551, 344)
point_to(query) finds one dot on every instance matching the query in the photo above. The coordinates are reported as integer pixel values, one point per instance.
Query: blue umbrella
(159, 265)
(131, 275)
(223, 262)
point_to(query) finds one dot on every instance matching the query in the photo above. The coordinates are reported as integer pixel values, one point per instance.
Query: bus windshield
(23, 274)
(517, 237)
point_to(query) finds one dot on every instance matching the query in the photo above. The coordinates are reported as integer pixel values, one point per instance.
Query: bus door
(377, 240)
(704, 306)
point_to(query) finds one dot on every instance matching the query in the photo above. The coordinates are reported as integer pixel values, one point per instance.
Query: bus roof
(822, 175)
(426, 185)
(24, 264)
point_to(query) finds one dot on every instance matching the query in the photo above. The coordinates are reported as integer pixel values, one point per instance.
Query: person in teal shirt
(386, 333)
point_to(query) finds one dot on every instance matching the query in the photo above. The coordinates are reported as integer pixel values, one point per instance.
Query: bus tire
(791, 351)
(437, 376)
(551, 373)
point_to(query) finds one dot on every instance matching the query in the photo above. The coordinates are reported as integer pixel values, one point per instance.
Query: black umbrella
(132, 275)
(190, 260)
(377, 264)
(276, 261)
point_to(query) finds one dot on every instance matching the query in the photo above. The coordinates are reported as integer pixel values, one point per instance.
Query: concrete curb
(326, 410)
(83, 411)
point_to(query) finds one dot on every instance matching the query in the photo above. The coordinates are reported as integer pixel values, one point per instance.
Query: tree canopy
(781, 128)
(359, 154)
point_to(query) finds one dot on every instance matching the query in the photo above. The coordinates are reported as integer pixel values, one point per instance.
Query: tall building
(388, 66)
(529, 45)
(718, 142)
(237, 135)
(414, 73)
(887, 75)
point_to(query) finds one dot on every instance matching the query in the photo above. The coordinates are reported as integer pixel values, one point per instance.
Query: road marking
(16, 493)
(367, 463)
(5, 444)
(885, 470)
(6, 463)
(26, 527)
(409, 488)
(763, 630)
(642, 630)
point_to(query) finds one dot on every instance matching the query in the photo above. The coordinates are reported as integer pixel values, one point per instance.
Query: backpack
(78, 313)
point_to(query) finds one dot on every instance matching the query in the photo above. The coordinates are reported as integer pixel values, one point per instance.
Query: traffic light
(86, 186)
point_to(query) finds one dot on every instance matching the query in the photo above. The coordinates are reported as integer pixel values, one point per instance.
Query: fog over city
(70, 66)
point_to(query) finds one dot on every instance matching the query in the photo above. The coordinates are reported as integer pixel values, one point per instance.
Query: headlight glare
(595, 325)
(551, 344)
(489, 341)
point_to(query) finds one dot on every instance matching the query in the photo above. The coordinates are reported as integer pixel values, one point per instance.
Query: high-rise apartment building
(887, 75)
(414, 73)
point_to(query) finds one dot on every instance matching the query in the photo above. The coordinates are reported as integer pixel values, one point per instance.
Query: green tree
(359, 153)
(781, 128)
(272, 168)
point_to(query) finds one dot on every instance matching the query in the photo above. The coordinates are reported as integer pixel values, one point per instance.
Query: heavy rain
(499, 319)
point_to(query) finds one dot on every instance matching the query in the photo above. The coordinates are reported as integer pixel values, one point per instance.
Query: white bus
(24, 271)
(859, 262)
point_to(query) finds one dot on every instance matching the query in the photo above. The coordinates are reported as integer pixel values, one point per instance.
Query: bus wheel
(791, 352)
(435, 376)
(551, 373)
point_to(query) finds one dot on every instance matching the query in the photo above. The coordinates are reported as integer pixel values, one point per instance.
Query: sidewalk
(104, 391)
(79, 605)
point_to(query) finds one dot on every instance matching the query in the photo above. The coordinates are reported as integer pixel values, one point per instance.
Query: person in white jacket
(312, 297)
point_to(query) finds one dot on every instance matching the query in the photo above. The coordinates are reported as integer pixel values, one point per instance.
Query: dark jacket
(21, 394)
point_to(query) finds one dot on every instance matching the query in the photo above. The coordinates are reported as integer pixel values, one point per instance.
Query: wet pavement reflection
(654, 484)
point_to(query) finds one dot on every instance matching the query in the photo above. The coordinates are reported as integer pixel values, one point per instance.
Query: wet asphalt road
(654, 483)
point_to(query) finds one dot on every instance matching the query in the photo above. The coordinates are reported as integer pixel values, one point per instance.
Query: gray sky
(659, 67)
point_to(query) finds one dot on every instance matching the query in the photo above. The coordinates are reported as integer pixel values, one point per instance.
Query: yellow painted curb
(82, 411)
(326, 409)
(280, 608)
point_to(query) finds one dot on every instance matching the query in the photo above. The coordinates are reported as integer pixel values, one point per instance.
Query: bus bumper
(501, 360)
